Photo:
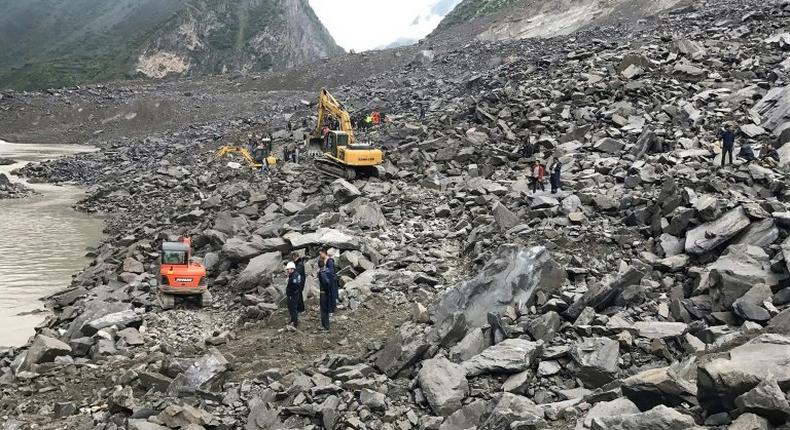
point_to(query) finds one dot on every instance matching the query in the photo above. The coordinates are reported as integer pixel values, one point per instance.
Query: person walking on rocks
(554, 178)
(325, 286)
(299, 264)
(292, 292)
(538, 176)
(329, 263)
(727, 136)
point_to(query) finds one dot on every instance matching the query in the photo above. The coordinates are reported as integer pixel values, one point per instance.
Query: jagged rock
(761, 233)
(472, 344)
(140, 424)
(509, 356)
(609, 145)
(132, 266)
(767, 400)
(366, 214)
(512, 277)
(750, 422)
(509, 409)
(123, 319)
(660, 329)
(737, 271)
(662, 386)
(545, 326)
(204, 372)
(467, 417)
(262, 417)
(258, 272)
(373, 399)
(709, 236)
(403, 349)
(122, 399)
(504, 217)
(238, 250)
(616, 407)
(658, 418)
(44, 350)
(603, 293)
(597, 360)
(721, 380)
(444, 385)
(185, 415)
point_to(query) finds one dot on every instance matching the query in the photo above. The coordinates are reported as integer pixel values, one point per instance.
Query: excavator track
(332, 168)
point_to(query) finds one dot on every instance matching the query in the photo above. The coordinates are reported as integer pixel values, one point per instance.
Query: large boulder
(324, 236)
(658, 418)
(205, 372)
(258, 272)
(444, 385)
(365, 214)
(737, 271)
(344, 191)
(504, 217)
(720, 380)
(122, 319)
(513, 276)
(44, 350)
(403, 349)
(597, 360)
(509, 356)
(603, 293)
(238, 250)
(713, 234)
(468, 417)
(662, 386)
(510, 408)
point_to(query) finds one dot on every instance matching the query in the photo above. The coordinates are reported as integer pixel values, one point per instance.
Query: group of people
(728, 136)
(538, 176)
(328, 286)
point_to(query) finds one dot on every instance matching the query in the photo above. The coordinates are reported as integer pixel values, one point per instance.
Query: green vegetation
(468, 10)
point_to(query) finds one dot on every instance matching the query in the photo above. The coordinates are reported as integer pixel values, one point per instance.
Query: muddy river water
(43, 242)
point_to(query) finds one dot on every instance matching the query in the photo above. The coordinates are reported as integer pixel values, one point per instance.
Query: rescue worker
(376, 117)
(292, 292)
(769, 154)
(325, 286)
(727, 136)
(527, 150)
(299, 263)
(329, 262)
(746, 152)
(554, 176)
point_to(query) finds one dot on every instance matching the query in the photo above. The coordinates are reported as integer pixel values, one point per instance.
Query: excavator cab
(179, 275)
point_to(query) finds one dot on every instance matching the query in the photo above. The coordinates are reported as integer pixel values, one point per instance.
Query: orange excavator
(179, 276)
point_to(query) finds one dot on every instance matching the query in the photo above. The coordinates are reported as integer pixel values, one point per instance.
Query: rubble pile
(651, 291)
(11, 190)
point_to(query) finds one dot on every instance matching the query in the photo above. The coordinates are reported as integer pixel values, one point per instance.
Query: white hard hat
(290, 265)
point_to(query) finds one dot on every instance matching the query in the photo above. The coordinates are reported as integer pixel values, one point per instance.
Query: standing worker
(727, 142)
(292, 292)
(325, 285)
(299, 265)
(329, 262)
(554, 178)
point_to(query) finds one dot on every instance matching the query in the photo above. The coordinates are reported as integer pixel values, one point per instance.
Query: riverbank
(44, 244)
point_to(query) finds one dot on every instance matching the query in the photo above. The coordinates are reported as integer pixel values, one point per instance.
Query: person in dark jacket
(727, 136)
(527, 149)
(292, 292)
(746, 152)
(325, 286)
(299, 263)
(554, 178)
(329, 264)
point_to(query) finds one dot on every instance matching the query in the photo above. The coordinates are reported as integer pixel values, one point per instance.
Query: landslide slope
(55, 43)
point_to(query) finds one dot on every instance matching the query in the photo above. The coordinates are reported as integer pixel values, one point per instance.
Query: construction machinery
(255, 157)
(179, 276)
(339, 155)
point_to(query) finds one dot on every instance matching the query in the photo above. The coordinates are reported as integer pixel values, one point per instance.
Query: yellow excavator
(340, 155)
(262, 154)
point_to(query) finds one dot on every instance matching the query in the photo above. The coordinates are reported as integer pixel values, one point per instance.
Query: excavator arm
(327, 105)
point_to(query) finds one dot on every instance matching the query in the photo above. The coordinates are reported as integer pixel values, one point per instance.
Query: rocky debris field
(10, 190)
(651, 292)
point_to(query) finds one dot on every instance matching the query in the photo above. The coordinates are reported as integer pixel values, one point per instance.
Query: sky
(362, 25)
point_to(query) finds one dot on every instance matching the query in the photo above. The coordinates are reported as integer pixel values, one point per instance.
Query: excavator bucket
(315, 147)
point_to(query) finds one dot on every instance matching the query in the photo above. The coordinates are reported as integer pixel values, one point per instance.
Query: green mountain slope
(54, 43)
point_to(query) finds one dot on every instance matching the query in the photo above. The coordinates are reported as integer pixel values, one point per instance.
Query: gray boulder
(720, 380)
(365, 214)
(344, 191)
(444, 385)
(513, 276)
(504, 217)
(123, 319)
(403, 349)
(238, 250)
(44, 350)
(619, 406)
(658, 418)
(750, 422)
(513, 411)
(509, 356)
(661, 386)
(468, 417)
(597, 360)
(713, 234)
(767, 400)
(472, 344)
(258, 272)
(737, 271)
(204, 373)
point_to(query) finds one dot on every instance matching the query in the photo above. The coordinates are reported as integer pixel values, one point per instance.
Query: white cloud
(363, 24)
